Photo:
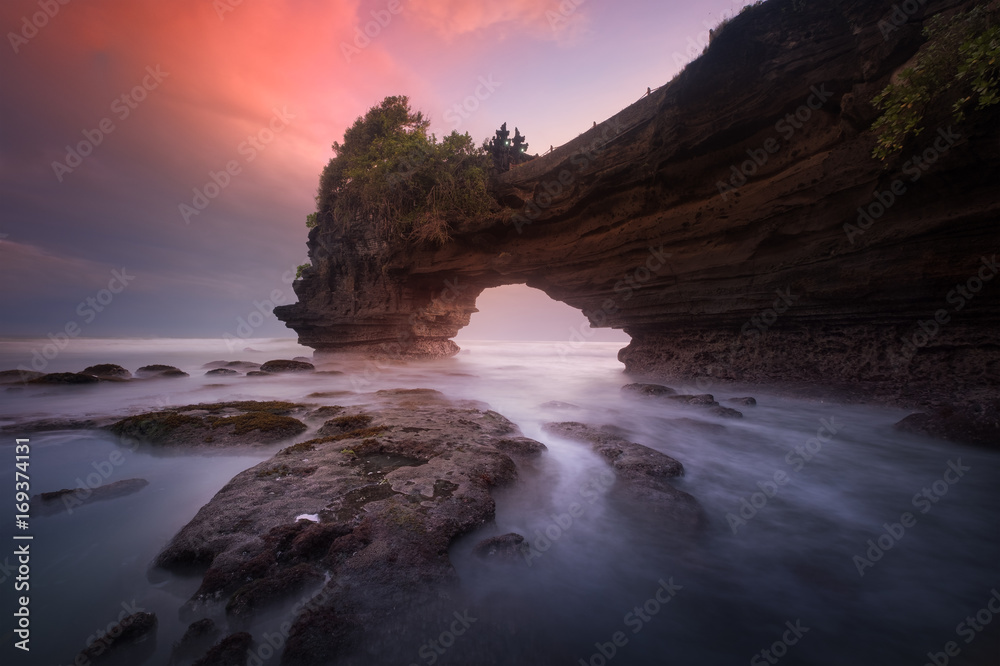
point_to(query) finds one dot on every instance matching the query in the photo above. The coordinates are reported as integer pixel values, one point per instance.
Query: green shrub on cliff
(391, 174)
(958, 69)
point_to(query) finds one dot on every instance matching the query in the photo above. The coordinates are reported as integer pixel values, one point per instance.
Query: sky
(158, 159)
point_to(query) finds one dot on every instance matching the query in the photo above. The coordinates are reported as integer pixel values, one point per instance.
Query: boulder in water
(108, 371)
(281, 365)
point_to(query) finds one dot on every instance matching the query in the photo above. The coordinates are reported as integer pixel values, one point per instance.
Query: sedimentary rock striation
(717, 222)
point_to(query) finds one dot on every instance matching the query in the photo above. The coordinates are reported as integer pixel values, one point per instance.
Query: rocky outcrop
(359, 523)
(108, 371)
(235, 423)
(708, 222)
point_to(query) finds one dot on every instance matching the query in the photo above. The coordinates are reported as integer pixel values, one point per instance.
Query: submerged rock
(745, 402)
(199, 637)
(150, 371)
(557, 404)
(643, 472)
(230, 651)
(65, 378)
(242, 366)
(41, 425)
(649, 389)
(506, 547)
(977, 424)
(131, 641)
(108, 371)
(287, 366)
(390, 493)
(18, 376)
(236, 423)
(701, 400)
(59, 501)
(220, 371)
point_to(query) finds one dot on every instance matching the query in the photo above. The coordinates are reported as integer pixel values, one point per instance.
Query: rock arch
(712, 221)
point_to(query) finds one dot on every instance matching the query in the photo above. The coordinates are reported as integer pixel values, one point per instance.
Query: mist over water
(590, 575)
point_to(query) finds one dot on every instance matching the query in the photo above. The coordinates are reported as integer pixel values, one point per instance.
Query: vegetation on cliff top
(391, 174)
(956, 71)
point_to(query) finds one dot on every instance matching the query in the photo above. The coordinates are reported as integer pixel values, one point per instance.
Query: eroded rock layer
(708, 221)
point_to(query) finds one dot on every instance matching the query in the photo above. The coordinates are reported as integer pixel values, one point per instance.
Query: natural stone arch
(753, 221)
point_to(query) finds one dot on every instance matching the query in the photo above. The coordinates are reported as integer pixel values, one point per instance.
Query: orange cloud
(546, 19)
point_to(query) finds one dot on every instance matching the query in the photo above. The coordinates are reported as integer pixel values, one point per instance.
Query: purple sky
(167, 93)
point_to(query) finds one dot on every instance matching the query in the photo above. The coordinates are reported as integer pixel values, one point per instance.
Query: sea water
(832, 538)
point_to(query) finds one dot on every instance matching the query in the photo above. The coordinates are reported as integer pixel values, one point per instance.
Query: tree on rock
(393, 176)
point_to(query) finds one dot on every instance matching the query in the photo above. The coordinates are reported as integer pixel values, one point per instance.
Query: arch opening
(519, 313)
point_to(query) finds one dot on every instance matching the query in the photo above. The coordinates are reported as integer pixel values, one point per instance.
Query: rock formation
(732, 222)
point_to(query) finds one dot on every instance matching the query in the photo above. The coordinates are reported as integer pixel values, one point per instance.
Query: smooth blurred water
(791, 561)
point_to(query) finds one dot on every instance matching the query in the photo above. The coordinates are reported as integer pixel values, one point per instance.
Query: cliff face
(717, 222)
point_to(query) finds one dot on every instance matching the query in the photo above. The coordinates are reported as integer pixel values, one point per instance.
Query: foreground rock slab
(390, 493)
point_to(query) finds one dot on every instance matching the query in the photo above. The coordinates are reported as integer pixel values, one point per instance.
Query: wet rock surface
(108, 370)
(65, 379)
(69, 499)
(281, 365)
(504, 548)
(977, 424)
(159, 370)
(235, 423)
(129, 642)
(230, 651)
(642, 471)
(390, 496)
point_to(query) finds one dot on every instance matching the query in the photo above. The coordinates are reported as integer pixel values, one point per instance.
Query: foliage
(301, 269)
(311, 220)
(958, 69)
(390, 174)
